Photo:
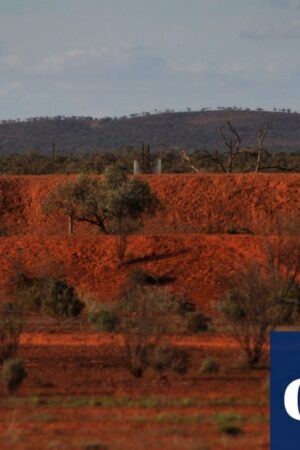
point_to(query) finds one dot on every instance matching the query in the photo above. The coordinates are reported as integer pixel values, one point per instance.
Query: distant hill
(190, 130)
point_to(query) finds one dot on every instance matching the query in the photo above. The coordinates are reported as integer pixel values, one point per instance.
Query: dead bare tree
(232, 141)
(262, 133)
(216, 158)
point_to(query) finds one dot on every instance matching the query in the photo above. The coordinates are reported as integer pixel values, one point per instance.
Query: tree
(146, 314)
(115, 204)
(232, 141)
(263, 297)
(262, 133)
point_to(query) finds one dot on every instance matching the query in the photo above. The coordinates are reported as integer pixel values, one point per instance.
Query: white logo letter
(291, 403)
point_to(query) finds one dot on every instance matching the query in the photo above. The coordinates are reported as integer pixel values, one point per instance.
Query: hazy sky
(115, 57)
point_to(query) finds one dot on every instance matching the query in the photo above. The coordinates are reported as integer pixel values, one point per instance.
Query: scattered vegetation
(49, 296)
(101, 139)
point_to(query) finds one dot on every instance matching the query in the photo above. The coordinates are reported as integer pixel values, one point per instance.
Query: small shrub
(61, 300)
(104, 320)
(13, 374)
(166, 357)
(48, 295)
(197, 322)
(209, 365)
(229, 424)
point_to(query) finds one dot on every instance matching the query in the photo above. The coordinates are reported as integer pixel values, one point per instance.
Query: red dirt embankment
(201, 203)
(198, 265)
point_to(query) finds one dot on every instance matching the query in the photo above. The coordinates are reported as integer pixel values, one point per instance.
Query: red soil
(199, 264)
(79, 394)
(198, 203)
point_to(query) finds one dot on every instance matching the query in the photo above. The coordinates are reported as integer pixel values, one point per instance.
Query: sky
(117, 57)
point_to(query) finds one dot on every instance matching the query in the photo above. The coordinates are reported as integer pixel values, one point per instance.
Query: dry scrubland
(77, 394)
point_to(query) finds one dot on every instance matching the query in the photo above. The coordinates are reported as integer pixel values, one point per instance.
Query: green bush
(13, 374)
(209, 365)
(61, 300)
(48, 295)
(104, 320)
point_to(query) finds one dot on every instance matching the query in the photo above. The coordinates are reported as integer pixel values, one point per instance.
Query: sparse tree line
(263, 295)
(141, 114)
(164, 131)
(233, 159)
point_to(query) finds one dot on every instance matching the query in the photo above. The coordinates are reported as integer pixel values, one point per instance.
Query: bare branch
(262, 133)
(184, 156)
(232, 145)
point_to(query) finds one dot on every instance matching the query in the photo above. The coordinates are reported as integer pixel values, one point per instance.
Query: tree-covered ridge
(162, 130)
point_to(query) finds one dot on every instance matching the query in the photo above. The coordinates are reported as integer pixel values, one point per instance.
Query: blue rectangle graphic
(284, 391)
